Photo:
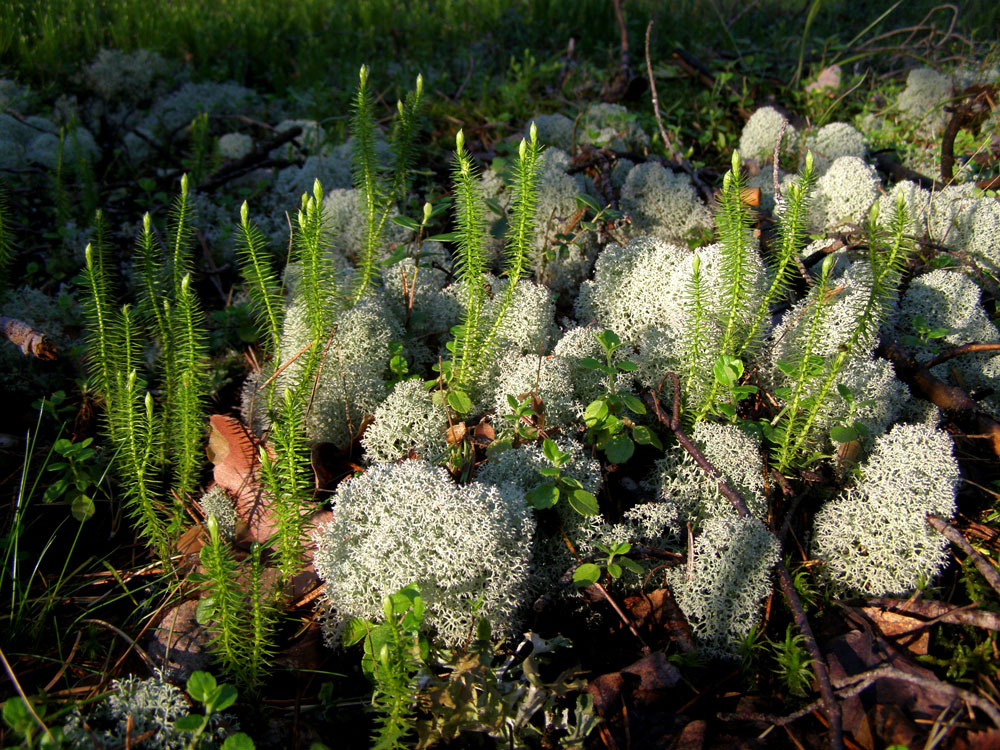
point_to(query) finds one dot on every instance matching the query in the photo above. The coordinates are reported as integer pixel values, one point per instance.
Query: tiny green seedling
(557, 485)
(614, 562)
(607, 424)
(924, 335)
(80, 476)
(728, 371)
(202, 687)
(527, 417)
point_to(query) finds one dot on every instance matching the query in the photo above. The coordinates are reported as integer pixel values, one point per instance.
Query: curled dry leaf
(456, 433)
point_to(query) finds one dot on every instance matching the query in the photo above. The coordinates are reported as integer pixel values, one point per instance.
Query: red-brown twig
(674, 153)
(955, 402)
(958, 351)
(940, 612)
(828, 699)
(954, 536)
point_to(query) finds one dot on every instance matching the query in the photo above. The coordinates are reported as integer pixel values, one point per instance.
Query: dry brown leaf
(233, 452)
(456, 433)
(893, 625)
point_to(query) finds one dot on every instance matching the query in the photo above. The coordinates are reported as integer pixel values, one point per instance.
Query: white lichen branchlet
(216, 503)
(663, 204)
(833, 141)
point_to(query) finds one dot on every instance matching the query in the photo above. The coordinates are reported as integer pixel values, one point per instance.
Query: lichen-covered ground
(796, 547)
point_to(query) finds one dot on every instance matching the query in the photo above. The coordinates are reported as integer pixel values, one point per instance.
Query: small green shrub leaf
(633, 404)
(587, 201)
(586, 575)
(17, 715)
(841, 434)
(583, 503)
(223, 698)
(190, 723)
(204, 613)
(595, 412)
(82, 507)
(201, 685)
(460, 401)
(631, 565)
(619, 449)
(238, 741)
(543, 496)
(645, 436)
(609, 340)
(357, 630)
(727, 370)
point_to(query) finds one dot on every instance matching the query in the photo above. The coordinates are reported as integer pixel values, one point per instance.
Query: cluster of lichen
(475, 550)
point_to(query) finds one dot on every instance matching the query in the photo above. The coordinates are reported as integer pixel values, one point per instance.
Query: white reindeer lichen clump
(950, 300)
(722, 594)
(922, 101)
(761, 133)
(680, 482)
(845, 193)
(467, 549)
(663, 204)
(408, 420)
(217, 503)
(147, 708)
(833, 141)
(873, 538)
(350, 384)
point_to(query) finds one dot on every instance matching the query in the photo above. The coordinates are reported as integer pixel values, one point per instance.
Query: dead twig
(31, 342)
(848, 687)
(954, 401)
(890, 672)
(972, 107)
(958, 351)
(828, 700)
(255, 159)
(674, 153)
(954, 536)
(940, 612)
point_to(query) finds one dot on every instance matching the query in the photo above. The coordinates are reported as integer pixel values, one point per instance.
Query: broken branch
(954, 536)
(828, 700)
(30, 341)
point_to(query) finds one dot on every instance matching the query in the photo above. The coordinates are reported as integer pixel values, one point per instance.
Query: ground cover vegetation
(499, 374)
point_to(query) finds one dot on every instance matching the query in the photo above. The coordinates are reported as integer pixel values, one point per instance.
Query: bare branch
(954, 536)
(31, 342)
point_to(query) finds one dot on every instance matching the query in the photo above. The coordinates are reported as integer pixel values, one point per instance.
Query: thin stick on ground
(674, 154)
(939, 612)
(954, 536)
(955, 402)
(848, 687)
(828, 699)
